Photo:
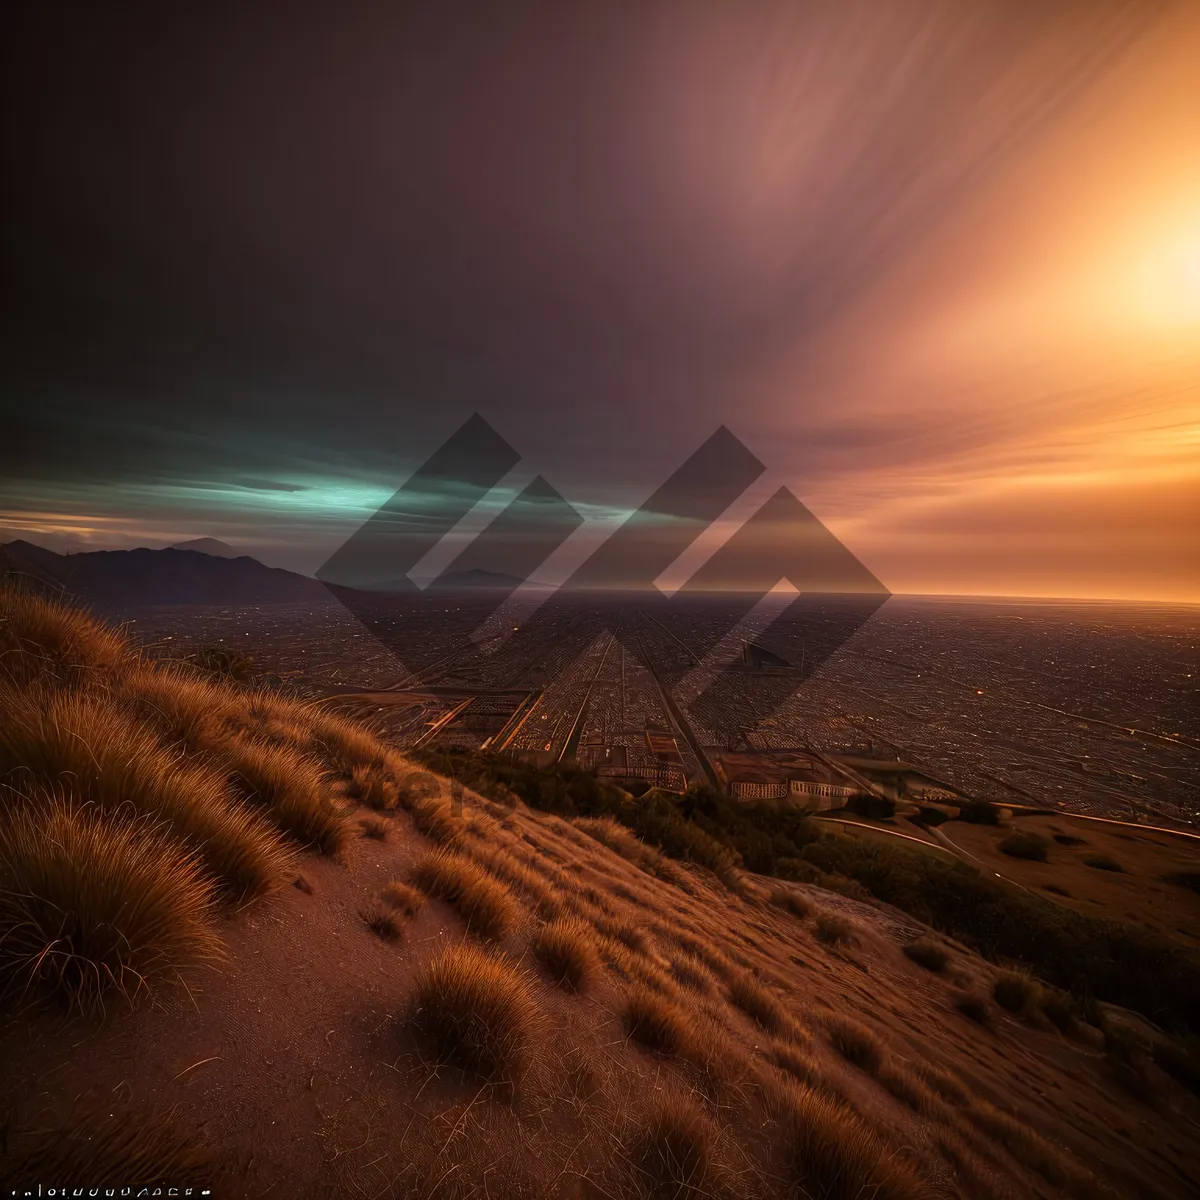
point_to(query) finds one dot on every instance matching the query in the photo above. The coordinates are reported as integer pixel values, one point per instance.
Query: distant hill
(121, 579)
(207, 545)
(477, 578)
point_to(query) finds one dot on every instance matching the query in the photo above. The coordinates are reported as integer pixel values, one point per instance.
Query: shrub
(476, 1011)
(856, 1043)
(89, 906)
(1017, 993)
(867, 804)
(1026, 845)
(1121, 963)
(485, 905)
(656, 1022)
(567, 950)
(291, 790)
(382, 923)
(757, 1002)
(927, 953)
(404, 899)
(673, 1150)
(980, 812)
(1102, 862)
(834, 1155)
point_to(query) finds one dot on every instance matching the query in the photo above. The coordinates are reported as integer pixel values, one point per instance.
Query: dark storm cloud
(312, 240)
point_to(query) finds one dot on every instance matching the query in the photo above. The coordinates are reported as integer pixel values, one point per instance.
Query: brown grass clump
(1027, 845)
(791, 901)
(973, 1007)
(89, 907)
(476, 1011)
(507, 867)
(106, 1149)
(179, 705)
(42, 639)
(382, 923)
(618, 839)
(484, 904)
(673, 1150)
(757, 1002)
(693, 975)
(832, 1154)
(927, 953)
(1016, 992)
(93, 748)
(834, 930)
(943, 1083)
(790, 1057)
(856, 1043)
(656, 1022)
(344, 743)
(1103, 862)
(567, 950)
(1032, 1150)
(435, 818)
(404, 899)
(375, 786)
(374, 828)
(908, 1088)
(291, 790)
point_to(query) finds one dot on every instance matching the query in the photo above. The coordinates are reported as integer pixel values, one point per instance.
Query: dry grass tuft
(404, 899)
(92, 747)
(1017, 993)
(89, 907)
(927, 953)
(757, 1002)
(673, 1150)
(484, 904)
(790, 1057)
(375, 786)
(656, 1022)
(435, 818)
(856, 1043)
(106, 1149)
(943, 1083)
(974, 1008)
(909, 1088)
(291, 790)
(832, 1154)
(791, 901)
(41, 639)
(477, 1011)
(694, 975)
(835, 930)
(506, 866)
(567, 950)
(375, 828)
(618, 839)
(381, 922)
(344, 743)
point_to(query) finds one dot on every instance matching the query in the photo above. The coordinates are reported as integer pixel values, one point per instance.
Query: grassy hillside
(244, 942)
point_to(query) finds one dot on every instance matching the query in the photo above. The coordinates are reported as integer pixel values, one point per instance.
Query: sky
(935, 263)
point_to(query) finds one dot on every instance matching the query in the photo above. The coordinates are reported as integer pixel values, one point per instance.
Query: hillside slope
(337, 974)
